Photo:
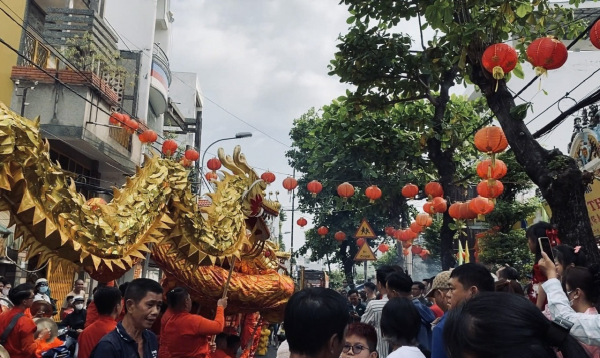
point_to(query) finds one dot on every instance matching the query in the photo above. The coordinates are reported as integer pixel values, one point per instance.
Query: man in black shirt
(132, 337)
(355, 308)
(75, 321)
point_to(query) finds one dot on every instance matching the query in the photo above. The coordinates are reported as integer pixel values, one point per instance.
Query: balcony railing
(35, 51)
(161, 59)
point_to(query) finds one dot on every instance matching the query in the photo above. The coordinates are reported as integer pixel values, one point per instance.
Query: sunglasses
(356, 349)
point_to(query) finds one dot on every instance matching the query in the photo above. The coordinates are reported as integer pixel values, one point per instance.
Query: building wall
(134, 21)
(11, 33)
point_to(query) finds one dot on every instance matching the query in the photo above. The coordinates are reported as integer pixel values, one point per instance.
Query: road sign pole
(365, 262)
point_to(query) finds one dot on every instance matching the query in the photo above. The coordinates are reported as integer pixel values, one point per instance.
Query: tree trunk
(444, 163)
(558, 177)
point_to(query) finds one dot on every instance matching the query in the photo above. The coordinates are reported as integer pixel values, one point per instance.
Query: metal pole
(23, 100)
(292, 230)
(197, 138)
(365, 280)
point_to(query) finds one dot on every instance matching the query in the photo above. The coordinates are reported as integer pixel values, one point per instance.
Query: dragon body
(154, 212)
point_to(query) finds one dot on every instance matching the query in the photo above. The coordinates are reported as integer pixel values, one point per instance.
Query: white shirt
(586, 328)
(284, 350)
(372, 316)
(407, 352)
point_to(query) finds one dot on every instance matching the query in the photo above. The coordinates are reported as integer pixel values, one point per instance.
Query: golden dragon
(154, 212)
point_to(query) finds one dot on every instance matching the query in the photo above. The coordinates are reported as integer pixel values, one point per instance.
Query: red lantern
(454, 210)
(429, 221)
(314, 187)
(169, 147)
(290, 184)
(302, 222)
(95, 203)
(360, 242)
(481, 206)
(397, 235)
(345, 190)
(547, 53)
(416, 249)
(383, 248)
(186, 163)
(373, 193)
(211, 176)
(424, 254)
(148, 136)
(439, 205)
(434, 189)
(405, 252)
(131, 126)
(406, 245)
(323, 231)
(490, 189)
(192, 155)
(213, 164)
(499, 59)
(389, 231)
(416, 227)
(490, 140)
(115, 119)
(595, 35)
(421, 219)
(428, 208)
(339, 236)
(410, 191)
(465, 211)
(409, 235)
(268, 177)
(487, 170)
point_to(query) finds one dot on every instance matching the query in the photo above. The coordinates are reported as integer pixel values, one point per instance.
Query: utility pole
(292, 230)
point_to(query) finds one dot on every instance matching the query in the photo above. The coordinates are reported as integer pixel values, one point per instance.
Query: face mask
(79, 307)
(43, 289)
(5, 291)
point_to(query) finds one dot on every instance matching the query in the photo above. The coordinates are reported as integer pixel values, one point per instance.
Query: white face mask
(79, 307)
(5, 291)
(43, 289)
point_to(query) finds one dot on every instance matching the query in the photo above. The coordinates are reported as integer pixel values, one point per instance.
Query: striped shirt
(372, 316)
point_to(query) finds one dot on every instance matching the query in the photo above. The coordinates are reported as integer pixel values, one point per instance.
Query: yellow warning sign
(365, 231)
(365, 254)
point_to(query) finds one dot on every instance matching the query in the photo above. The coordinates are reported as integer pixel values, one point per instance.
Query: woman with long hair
(566, 257)
(184, 335)
(582, 285)
(509, 286)
(505, 325)
(400, 326)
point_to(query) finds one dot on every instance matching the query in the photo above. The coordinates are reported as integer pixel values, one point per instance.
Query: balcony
(160, 81)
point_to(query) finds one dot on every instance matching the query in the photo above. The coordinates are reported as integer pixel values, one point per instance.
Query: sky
(265, 62)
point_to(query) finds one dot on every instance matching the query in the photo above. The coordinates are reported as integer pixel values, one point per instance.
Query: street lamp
(239, 135)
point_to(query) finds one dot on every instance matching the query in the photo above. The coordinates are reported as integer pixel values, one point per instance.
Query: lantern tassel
(480, 217)
(314, 195)
(498, 73)
(372, 201)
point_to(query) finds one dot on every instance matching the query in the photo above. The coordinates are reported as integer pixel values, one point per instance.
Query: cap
(78, 298)
(439, 282)
(40, 280)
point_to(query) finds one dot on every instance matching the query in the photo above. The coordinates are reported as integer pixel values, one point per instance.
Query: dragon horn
(228, 163)
(240, 160)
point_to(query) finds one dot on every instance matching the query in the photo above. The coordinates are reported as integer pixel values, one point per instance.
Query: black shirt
(75, 320)
(119, 344)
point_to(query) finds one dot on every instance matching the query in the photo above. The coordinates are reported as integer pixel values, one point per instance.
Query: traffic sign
(365, 254)
(365, 231)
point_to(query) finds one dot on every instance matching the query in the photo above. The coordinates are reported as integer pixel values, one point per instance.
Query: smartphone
(546, 247)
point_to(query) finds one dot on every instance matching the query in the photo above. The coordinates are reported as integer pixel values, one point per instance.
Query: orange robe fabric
(43, 346)
(219, 353)
(184, 335)
(93, 333)
(20, 342)
(91, 315)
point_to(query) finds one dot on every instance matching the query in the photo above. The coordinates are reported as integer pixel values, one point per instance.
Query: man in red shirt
(108, 304)
(20, 342)
(221, 342)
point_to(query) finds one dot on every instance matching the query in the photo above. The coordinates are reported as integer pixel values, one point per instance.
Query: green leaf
(523, 10)
(518, 71)
(520, 112)
(351, 20)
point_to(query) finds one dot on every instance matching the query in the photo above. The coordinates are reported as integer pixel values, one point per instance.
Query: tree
(382, 148)
(380, 61)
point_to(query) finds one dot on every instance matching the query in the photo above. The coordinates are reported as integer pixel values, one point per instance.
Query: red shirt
(20, 342)
(91, 315)
(93, 333)
(43, 346)
(537, 279)
(437, 311)
(219, 353)
(183, 335)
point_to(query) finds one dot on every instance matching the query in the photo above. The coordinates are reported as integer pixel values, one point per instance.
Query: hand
(547, 266)
(40, 313)
(79, 330)
(213, 347)
(44, 334)
(354, 314)
(222, 302)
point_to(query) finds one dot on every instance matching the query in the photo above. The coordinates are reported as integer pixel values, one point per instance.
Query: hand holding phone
(546, 247)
